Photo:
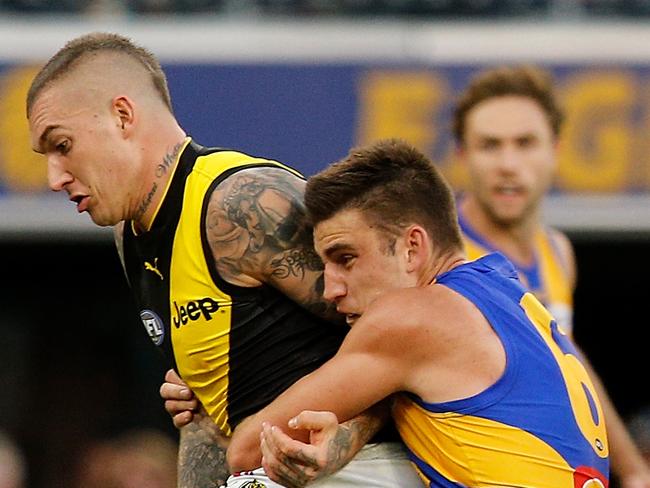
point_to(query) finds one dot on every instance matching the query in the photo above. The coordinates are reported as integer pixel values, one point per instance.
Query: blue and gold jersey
(539, 426)
(236, 347)
(547, 277)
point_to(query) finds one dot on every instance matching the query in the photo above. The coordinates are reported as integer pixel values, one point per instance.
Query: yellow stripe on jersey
(555, 290)
(471, 450)
(202, 351)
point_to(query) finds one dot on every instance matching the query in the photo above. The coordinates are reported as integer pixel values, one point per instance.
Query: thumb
(312, 420)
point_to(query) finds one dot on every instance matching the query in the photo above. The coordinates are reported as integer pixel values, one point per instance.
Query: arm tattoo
(269, 206)
(350, 437)
(257, 226)
(201, 461)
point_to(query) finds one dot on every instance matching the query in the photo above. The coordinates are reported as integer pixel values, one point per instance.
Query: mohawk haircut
(76, 50)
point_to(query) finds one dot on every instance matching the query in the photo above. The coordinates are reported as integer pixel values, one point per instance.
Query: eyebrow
(43, 138)
(334, 248)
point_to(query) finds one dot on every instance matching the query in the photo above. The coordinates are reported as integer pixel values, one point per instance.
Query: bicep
(257, 231)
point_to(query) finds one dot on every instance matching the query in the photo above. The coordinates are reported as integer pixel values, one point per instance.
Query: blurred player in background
(507, 126)
(214, 244)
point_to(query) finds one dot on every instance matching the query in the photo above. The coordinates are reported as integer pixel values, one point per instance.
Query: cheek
(542, 169)
(481, 164)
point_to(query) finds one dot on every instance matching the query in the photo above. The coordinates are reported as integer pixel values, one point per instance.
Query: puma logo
(153, 268)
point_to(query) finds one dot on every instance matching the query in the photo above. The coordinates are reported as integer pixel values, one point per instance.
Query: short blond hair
(77, 49)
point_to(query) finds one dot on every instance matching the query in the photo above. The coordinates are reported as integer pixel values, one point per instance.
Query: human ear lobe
(123, 111)
(414, 247)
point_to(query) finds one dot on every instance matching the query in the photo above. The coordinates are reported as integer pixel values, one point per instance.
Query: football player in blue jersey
(486, 389)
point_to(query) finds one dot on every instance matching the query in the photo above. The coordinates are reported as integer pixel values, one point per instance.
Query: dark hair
(524, 81)
(78, 48)
(394, 184)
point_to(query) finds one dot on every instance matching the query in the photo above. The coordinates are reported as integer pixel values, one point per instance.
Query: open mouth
(81, 201)
(351, 318)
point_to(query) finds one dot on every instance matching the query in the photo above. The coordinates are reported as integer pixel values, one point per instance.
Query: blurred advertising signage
(309, 114)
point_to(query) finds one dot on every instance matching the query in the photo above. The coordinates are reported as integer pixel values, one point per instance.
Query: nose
(335, 288)
(57, 176)
(509, 159)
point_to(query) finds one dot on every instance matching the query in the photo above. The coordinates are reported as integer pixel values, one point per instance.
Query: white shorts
(383, 465)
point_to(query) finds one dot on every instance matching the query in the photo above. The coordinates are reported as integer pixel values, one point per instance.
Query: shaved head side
(112, 58)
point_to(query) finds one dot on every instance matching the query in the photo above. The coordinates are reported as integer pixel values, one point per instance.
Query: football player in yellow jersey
(215, 246)
(507, 125)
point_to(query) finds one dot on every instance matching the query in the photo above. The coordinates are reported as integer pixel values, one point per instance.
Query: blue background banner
(308, 115)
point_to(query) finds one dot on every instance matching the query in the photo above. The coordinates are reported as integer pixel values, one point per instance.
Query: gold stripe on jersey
(202, 350)
(470, 450)
(555, 290)
(553, 273)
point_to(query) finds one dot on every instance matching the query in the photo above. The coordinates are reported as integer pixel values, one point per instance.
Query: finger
(182, 419)
(171, 376)
(312, 420)
(278, 472)
(290, 452)
(275, 457)
(171, 391)
(174, 407)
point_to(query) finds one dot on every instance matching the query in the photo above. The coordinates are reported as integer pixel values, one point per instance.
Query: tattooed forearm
(301, 466)
(352, 436)
(201, 460)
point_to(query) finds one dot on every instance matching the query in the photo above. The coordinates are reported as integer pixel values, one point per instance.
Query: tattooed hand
(295, 464)
(202, 454)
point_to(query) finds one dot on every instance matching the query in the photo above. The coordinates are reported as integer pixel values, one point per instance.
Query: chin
(101, 221)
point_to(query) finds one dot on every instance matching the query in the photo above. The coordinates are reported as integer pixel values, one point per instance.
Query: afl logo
(154, 326)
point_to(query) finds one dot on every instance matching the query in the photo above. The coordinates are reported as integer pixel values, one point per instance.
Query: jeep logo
(193, 310)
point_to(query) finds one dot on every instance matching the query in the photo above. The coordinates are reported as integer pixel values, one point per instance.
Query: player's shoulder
(406, 312)
(564, 246)
(559, 237)
(250, 180)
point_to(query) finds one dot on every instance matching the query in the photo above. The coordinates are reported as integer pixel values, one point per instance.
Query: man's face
(83, 145)
(360, 262)
(510, 151)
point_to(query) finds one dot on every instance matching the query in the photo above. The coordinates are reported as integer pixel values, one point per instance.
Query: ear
(123, 110)
(417, 247)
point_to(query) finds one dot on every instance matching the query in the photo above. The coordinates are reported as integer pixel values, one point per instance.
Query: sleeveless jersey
(547, 278)
(539, 426)
(237, 348)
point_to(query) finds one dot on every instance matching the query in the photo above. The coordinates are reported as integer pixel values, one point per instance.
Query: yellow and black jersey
(236, 347)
